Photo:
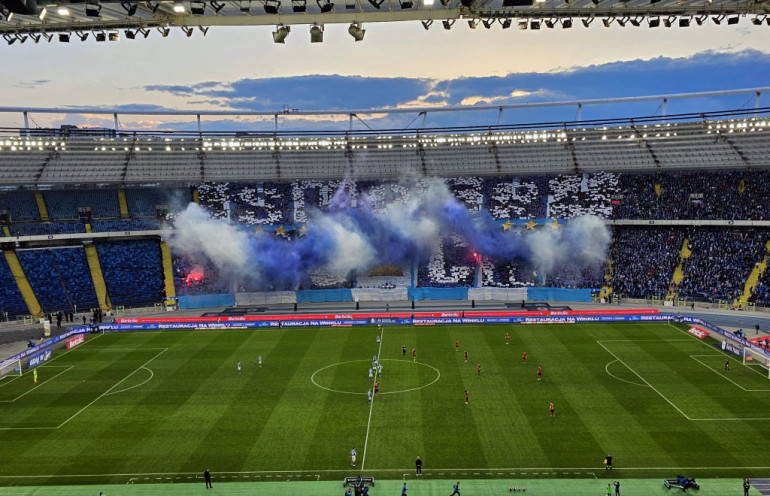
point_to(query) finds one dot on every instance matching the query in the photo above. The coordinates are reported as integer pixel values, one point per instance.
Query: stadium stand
(126, 225)
(45, 278)
(20, 204)
(132, 271)
(76, 276)
(42, 228)
(11, 301)
(64, 204)
(142, 202)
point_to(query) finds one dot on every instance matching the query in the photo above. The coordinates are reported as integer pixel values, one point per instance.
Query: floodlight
(21, 37)
(684, 22)
(376, 3)
(130, 34)
(164, 31)
(100, 36)
(179, 7)
(153, 7)
(718, 19)
(93, 9)
(197, 7)
(246, 7)
(473, 23)
(144, 32)
(187, 30)
(5, 12)
(587, 21)
(217, 6)
(272, 6)
(757, 21)
(607, 21)
(63, 11)
(48, 37)
(299, 5)
(448, 24)
(129, 7)
(636, 21)
(325, 6)
(406, 4)
(505, 23)
(10, 39)
(428, 3)
(622, 21)
(445, 3)
(566, 23)
(653, 22)
(113, 36)
(203, 30)
(83, 36)
(549, 23)
(316, 33)
(357, 32)
(426, 24)
(42, 14)
(733, 20)
(522, 25)
(280, 33)
(488, 23)
(534, 24)
(701, 19)
(35, 37)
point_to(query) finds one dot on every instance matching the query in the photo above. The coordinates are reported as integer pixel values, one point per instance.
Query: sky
(397, 65)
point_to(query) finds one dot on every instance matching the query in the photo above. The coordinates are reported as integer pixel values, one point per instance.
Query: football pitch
(163, 406)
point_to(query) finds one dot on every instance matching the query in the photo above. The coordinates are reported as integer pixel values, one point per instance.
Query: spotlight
(622, 21)
(506, 23)
(35, 37)
(426, 24)
(316, 33)
(406, 4)
(701, 19)
(549, 23)
(164, 31)
(376, 3)
(42, 14)
(326, 6)
(7, 13)
(635, 22)
(522, 25)
(718, 19)
(473, 23)
(144, 32)
(93, 9)
(83, 36)
(445, 3)
(534, 25)
(21, 37)
(129, 34)
(203, 30)
(63, 11)
(280, 33)
(653, 22)
(357, 33)
(587, 22)
(448, 24)
(299, 6)
(607, 21)
(246, 7)
(48, 37)
(566, 23)
(129, 7)
(152, 7)
(100, 36)
(197, 7)
(217, 6)
(179, 7)
(272, 6)
(757, 21)
(187, 30)
(668, 21)
(428, 3)
(733, 20)
(488, 23)
(113, 36)
(684, 22)
(10, 39)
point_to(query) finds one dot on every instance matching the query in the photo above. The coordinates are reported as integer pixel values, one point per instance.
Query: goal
(756, 358)
(10, 368)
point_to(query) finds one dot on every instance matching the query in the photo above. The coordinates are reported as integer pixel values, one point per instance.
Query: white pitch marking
(723, 375)
(66, 368)
(371, 405)
(606, 369)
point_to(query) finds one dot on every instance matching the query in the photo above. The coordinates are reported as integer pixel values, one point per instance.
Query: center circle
(398, 376)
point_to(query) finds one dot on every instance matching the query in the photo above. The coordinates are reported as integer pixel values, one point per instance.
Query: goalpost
(11, 369)
(756, 358)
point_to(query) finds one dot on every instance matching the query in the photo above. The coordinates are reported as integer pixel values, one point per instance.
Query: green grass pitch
(152, 407)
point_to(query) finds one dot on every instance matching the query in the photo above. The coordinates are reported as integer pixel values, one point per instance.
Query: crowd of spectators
(449, 265)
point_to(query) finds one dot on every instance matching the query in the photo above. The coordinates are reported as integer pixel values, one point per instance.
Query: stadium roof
(108, 20)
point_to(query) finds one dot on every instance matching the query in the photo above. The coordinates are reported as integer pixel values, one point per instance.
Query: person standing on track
(418, 465)
(207, 478)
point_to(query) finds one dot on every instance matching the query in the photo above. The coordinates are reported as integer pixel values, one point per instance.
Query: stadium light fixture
(376, 3)
(130, 34)
(757, 21)
(566, 23)
(406, 4)
(448, 24)
(699, 20)
(427, 3)
(42, 14)
(179, 7)
(487, 23)
(549, 23)
(7, 14)
(245, 7)
(280, 33)
(425, 24)
(684, 22)
(35, 37)
(622, 21)
(83, 36)
(100, 36)
(113, 36)
(62, 11)
(522, 25)
(636, 22)
(203, 30)
(607, 21)
(446, 3)
(22, 38)
(152, 7)
(505, 23)
(9, 39)
(129, 7)
(587, 21)
(653, 22)
(272, 6)
(187, 31)
(718, 19)
(316, 33)
(668, 21)
(144, 32)
(48, 37)
(217, 6)
(325, 5)
(356, 31)
(534, 24)
(733, 20)
(299, 6)
(473, 23)
(197, 7)
(164, 31)
(93, 9)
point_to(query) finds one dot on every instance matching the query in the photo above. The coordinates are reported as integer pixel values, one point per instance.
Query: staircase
(607, 289)
(21, 281)
(168, 271)
(123, 204)
(195, 196)
(678, 275)
(96, 275)
(751, 281)
(42, 209)
(6, 231)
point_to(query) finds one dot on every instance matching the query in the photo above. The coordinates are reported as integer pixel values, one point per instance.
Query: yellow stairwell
(168, 271)
(195, 196)
(6, 231)
(123, 204)
(21, 281)
(751, 281)
(607, 289)
(41, 207)
(96, 274)
(678, 275)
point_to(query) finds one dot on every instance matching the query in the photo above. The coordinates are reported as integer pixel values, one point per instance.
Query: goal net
(10, 368)
(756, 358)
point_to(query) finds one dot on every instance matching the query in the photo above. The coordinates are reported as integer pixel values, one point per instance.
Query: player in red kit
(414, 354)
(507, 338)
(466, 356)
(551, 408)
(467, 396)
(539, 372)
(376, 388)
(457, 345)
(524, 357)
(478, 369)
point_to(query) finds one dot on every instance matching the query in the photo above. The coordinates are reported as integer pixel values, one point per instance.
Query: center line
(371, 405)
